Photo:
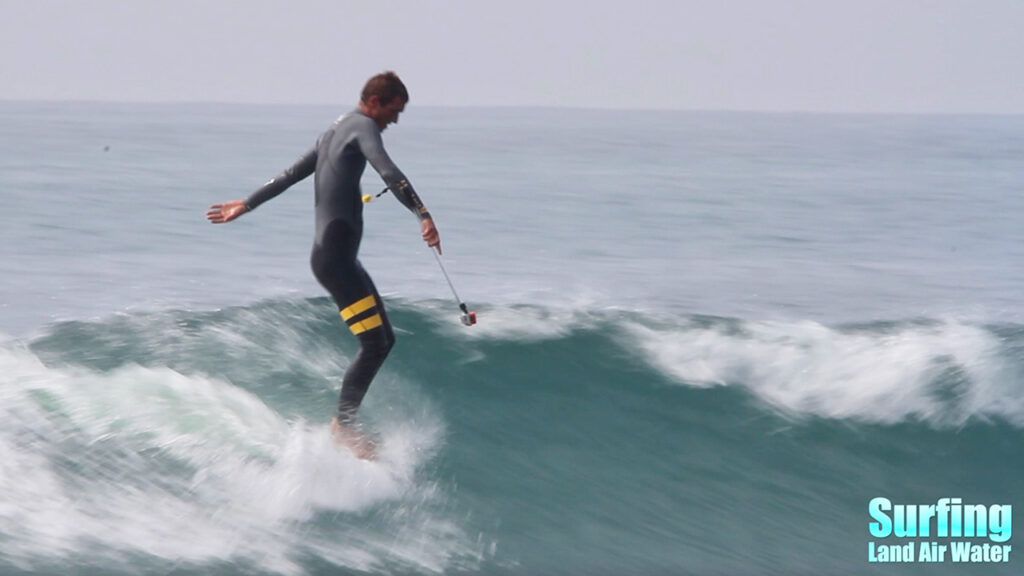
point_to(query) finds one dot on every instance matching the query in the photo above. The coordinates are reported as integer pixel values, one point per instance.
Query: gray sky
(779, 55)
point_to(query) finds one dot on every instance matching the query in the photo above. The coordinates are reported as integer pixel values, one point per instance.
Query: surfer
(338, 160)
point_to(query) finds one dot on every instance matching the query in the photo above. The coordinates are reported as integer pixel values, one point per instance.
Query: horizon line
(578, 108)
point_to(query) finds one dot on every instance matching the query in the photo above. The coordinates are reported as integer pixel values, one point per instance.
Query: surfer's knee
(378, 343)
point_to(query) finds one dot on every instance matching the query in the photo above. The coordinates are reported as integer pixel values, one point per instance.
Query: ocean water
(706, 342)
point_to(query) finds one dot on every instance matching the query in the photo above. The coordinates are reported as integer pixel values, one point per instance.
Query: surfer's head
(387, 87)
(384, 98)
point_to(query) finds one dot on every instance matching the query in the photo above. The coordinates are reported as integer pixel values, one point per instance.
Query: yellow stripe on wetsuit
(359, 307)
(370, 323)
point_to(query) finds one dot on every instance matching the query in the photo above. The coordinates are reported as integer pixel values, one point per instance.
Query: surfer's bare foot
(349, 436)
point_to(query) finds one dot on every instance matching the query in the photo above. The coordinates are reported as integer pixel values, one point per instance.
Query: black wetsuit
(338, 159)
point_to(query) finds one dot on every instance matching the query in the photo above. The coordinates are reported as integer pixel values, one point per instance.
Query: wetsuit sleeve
(302, 168)
(373, 149)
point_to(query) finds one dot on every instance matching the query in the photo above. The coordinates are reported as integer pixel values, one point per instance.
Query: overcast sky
(778, 55)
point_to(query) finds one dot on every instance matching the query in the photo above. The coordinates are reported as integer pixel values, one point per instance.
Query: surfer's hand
(226, 212)
(430, 235)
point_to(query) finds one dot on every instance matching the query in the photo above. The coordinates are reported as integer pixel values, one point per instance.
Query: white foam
(34, 501)
(193, 469)
(878, 375)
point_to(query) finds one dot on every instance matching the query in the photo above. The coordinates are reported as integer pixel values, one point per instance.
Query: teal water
(706, 342)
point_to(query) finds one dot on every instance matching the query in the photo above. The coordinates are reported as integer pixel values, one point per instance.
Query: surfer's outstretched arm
(228, 211)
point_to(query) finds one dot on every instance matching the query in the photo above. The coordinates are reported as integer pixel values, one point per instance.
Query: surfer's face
(384, 114)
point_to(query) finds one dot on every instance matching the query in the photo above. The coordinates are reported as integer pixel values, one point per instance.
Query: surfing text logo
(947, 531)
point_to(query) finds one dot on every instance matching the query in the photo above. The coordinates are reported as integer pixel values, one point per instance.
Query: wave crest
(944, 373)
